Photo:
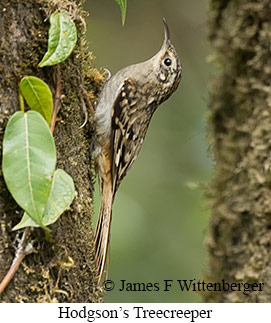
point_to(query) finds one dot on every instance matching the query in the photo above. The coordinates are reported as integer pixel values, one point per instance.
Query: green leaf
(29, 159)
(61, 197)
(38, 96)
(26, 221)
(123, 6)
(62, 39)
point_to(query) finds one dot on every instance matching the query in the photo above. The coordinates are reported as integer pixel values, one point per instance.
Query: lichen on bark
(61, 269)
(239, 235)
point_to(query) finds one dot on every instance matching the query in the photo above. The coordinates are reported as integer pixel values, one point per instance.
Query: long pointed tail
(102, 230)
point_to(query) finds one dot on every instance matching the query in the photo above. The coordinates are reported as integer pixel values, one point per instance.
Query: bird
(124, 110)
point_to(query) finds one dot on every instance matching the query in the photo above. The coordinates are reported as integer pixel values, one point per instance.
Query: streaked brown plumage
(122, 117)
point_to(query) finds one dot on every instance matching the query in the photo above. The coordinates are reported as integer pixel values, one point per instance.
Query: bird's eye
(167, 61)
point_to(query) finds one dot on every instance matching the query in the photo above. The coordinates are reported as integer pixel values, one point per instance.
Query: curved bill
(166, 30)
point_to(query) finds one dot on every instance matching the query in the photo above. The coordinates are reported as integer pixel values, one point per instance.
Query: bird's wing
(130, 119)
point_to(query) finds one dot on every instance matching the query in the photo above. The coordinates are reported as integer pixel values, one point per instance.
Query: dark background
(160, 214)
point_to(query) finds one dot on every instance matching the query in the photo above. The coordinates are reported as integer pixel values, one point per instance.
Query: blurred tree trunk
(239, 239)
(60, 269)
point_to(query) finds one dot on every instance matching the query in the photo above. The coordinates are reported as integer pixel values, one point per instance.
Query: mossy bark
(239, 240)
(60, 270)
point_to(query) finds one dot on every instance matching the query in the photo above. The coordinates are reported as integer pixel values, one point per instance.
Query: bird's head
(167, 63)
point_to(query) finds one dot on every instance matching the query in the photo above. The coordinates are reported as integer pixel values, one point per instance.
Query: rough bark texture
(60, 270)
(240, 123)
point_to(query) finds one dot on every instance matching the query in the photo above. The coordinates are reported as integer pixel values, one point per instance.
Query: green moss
(240, 125)
(45, 275)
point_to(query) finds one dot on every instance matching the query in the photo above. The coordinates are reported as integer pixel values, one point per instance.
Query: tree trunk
(240, 124)
(61, 268)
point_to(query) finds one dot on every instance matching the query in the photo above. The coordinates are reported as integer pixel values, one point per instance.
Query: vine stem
(22, 250)
(21, 100)
(57, 98)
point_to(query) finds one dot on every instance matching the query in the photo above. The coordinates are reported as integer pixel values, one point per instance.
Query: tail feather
(102, 230)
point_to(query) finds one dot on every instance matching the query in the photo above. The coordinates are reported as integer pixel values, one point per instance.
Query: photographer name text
(184, 285)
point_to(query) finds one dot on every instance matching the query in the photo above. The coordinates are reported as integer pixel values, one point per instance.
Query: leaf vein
(28, 164)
